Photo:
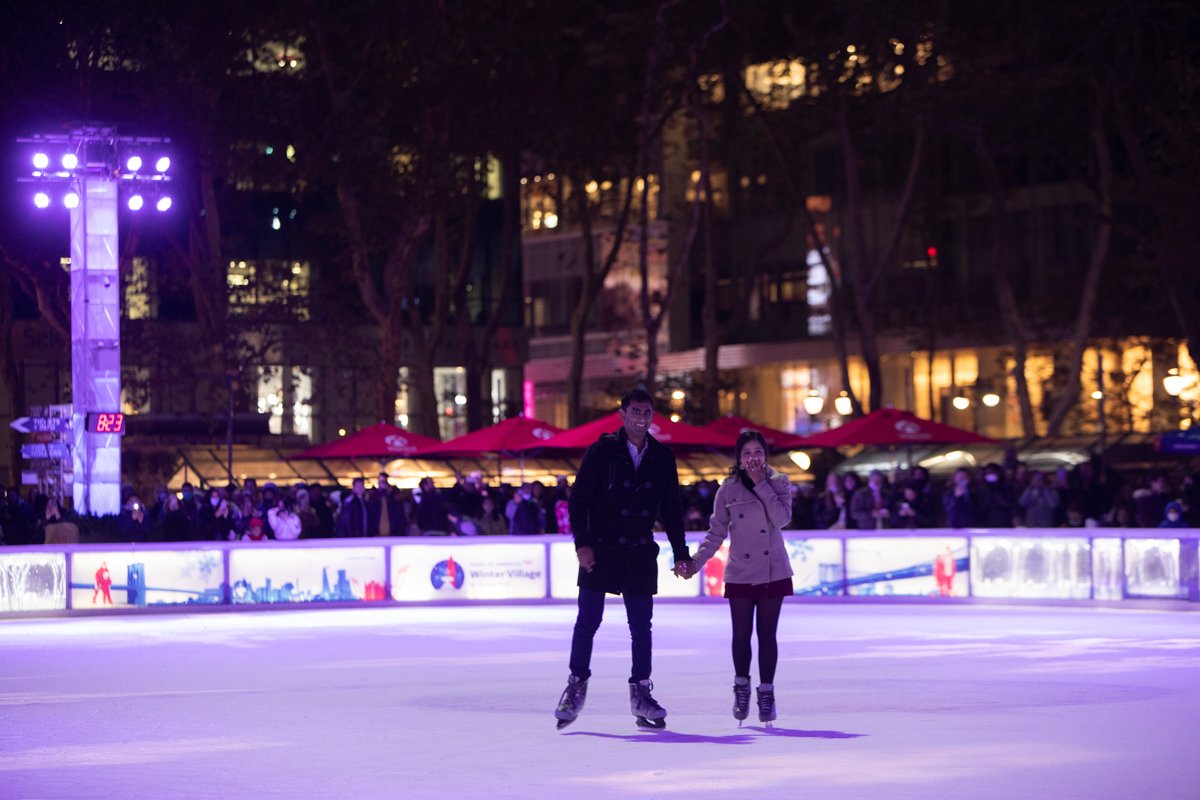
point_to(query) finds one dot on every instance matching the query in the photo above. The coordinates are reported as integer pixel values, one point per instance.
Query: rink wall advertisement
(33, 582)
(564, 571)
(816, 567)
(991, 564)
(140, 578)
(1052, 568)
(920, 566)
(307, 574)
(457, 571)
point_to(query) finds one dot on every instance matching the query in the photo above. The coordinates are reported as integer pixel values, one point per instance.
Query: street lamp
(813, 405)
(991, 399)
(843, 405)
(86, 167)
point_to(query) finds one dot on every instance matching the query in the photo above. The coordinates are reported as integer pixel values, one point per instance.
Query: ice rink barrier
(1089, 566)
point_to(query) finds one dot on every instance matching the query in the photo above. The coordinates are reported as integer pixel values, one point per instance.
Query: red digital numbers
(108, 422)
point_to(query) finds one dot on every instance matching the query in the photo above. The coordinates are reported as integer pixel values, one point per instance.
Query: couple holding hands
(628, 480)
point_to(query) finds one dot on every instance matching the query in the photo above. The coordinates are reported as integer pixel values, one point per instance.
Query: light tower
(86, 170)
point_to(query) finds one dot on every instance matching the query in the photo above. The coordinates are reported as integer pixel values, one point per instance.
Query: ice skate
(571, 702)
(766, 704)
(741, 699)
(645, 708)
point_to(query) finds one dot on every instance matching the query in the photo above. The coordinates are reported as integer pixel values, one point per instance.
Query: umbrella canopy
(777, 440)
(511, 435)
(891, 426)
(673, 434)
(375, 441)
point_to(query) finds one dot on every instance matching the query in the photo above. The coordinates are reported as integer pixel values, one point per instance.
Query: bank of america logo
(447, 575)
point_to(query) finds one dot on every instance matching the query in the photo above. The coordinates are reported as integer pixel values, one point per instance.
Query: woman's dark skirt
(760, 591)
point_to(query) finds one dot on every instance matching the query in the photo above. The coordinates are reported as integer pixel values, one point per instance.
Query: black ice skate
(571, 702)
(741, 699)
(645, 708)
(766, 705)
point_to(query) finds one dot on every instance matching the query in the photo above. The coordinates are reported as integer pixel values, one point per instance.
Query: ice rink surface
(875, 701)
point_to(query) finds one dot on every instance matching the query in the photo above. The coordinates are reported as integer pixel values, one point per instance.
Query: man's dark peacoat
(613, 510)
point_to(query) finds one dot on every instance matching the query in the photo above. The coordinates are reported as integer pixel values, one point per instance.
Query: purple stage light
(136, 202)
(134, 163)
(70, 161)
(41, 200)
(163, 203)
(163, 164)
(71, 200)
(40, 160)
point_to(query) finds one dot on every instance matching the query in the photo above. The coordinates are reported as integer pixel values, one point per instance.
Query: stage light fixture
(134, 163)
(40, 160)
(163, 204)
(136, 202)
(71, 200)
(41, 200)
(163, 164)
(70, 161)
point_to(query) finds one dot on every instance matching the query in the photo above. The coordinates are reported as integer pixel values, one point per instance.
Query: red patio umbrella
(673, 434)
(509, 436)
(777, 440)
(891, 426)
(374, 441)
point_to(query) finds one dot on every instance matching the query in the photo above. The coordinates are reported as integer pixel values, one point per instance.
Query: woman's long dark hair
(745, 438)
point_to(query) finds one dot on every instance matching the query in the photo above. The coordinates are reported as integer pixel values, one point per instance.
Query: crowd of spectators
(992, 497)
(1086, 496)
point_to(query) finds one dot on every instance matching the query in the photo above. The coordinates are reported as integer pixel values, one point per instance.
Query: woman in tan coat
(751, 507)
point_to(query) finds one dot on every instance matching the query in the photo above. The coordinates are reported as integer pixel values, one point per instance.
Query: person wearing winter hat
(1173, 516)
(255, 532)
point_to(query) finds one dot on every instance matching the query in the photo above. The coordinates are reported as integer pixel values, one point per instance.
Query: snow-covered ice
(912, 701)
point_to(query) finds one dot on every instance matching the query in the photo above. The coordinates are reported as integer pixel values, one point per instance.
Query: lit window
(269, 284)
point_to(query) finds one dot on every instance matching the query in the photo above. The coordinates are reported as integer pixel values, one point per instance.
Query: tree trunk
(709, 319)
(387, 381)
(13, 378)
(423, 391)
(863, 273)
(1014, 323)
(209, 287)
(510, 242)
(594, 276)
(1069, 396)
(1166, 234)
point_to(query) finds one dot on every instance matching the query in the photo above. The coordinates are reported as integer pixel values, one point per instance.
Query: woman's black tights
(742, 610)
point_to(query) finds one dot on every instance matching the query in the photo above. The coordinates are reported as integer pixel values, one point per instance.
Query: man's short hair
(638, 395)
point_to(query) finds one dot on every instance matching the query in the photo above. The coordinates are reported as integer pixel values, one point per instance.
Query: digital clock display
(106, 422)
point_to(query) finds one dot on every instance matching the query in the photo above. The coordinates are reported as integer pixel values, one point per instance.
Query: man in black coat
(626, 482)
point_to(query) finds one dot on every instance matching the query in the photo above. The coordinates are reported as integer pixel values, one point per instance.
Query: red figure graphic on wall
(103, 584)
(944, 570)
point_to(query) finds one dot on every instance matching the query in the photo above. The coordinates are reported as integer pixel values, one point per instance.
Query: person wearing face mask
(960, 502)
(995, 498)
(750, 509)
(208, 529)
(1173, 516)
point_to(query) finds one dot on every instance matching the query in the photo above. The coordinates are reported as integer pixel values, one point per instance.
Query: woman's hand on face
(756, 469)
